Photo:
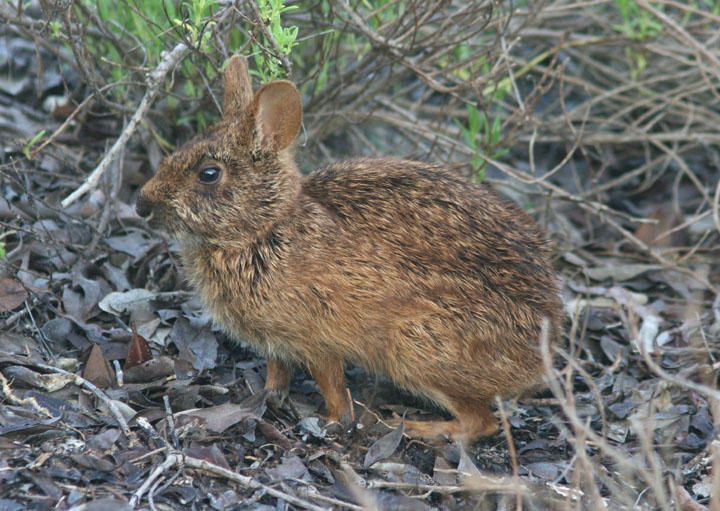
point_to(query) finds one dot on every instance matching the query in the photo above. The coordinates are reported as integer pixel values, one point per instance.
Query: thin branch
(155, 79)
(99, 394)
(287, 64)
(683, 35)
(176, 459)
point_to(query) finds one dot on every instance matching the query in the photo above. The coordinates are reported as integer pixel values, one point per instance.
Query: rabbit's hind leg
(472, 420)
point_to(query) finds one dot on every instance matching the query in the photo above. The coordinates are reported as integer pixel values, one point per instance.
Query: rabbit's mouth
(155, 218)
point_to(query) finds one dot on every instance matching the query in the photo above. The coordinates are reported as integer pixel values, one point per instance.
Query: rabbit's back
(436, 222)
(453, 282)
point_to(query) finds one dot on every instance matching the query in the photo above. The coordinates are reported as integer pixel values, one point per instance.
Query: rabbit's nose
(143, 206)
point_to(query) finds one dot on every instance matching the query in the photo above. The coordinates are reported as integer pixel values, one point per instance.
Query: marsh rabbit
(399, 266)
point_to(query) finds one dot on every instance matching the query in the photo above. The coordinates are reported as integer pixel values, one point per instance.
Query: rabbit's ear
(278, 114)
(238, 87)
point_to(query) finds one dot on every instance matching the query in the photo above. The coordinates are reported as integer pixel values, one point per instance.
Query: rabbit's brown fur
(398, 266)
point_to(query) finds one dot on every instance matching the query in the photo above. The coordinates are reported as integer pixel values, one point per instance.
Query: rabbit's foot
(341, 425)
(330, 379)
(276, 399)
(454, 430)
(470, 424)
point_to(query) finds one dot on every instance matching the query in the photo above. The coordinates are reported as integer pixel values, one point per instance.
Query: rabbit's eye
(209, 175)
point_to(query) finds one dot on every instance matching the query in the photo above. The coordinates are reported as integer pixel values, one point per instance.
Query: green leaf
(469, 139)
(473, 120)
(495, 130)
(500, 153)
(32, 142)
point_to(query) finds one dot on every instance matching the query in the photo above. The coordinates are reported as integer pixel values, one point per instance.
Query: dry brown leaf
(385, 446)
(151, 370)
(98, 370)
(138, 351)
(209, 453)
(219, 418)
(12, 294)
(273, 434)
(48, 382)
(443, 473)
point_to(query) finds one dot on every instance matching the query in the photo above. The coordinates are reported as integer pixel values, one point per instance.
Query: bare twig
(176, 459)
(683, 35)
(100, 395)
(155, 79)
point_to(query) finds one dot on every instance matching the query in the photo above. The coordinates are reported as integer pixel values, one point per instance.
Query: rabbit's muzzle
(143, 206)
(161, 213)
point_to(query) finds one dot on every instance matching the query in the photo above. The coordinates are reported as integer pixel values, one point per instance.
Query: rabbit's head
(239, 175)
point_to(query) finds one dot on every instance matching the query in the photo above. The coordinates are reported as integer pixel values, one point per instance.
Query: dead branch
(155, 79)
(177, 459)
(100, 395)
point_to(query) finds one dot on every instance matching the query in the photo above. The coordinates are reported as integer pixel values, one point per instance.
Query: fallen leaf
(618, 432)
(120, 302)
(312, 425)
(19, 349)
(443, 474)
(208, 453)
(197, 346)
(402, 471)
(613, 350)
(544, 470)
(136, 243)
(57, 329)
(623, 409)
(11, 505)
(385, 446)
(656, 234)
(48, 382)
(151, 370)
(93, 462)
(702, 422)
(648, 332)
(619, 272)
(273, 434)
(105, 440)
(219, 418)
(12, 294)
(81, 298)
(138, 351)
(291, 467)
(468, 473)
(393, 501)
(103, 505)
(97, 369)
(28, 426)
(704, 488)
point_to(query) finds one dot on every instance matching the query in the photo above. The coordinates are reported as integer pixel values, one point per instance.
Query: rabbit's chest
(242, 292)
